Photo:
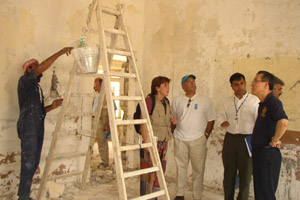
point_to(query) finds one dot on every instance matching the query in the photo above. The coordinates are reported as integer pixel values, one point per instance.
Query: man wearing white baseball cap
(195, 117)
(30, 125)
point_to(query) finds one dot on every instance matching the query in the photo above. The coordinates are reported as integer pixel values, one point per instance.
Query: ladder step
(140, 172)
(74, 132)
(94, 75)
(64, 176)
(84, 95)
(83, 114)
(151, 195)
(70, 155)
(110, 11)
(122, 74)
(128, 98)
(132, 121)
(116, 74)
(114, 31)
(118, 52)
(135, 147)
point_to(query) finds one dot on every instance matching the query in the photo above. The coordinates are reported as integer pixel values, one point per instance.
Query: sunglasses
(189, 103)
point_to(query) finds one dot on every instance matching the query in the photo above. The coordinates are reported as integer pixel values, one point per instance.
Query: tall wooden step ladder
(107, 52)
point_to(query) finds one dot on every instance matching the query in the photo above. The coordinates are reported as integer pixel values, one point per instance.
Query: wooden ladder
(107, 53)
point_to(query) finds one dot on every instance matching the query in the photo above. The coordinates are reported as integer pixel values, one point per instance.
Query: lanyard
(238, 109)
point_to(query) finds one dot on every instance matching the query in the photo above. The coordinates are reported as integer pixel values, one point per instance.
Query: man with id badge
(195, 117)
(237, 116)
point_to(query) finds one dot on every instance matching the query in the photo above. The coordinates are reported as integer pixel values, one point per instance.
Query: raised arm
(49, 61)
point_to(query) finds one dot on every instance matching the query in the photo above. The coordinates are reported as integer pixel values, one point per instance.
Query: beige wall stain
(237, 45)
(132, 10)
(212, 27)
(75, 23)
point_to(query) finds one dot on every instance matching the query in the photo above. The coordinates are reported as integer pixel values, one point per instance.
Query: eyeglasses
(255, 81)
(189, 103)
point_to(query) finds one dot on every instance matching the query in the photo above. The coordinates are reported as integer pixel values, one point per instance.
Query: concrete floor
(103, 185)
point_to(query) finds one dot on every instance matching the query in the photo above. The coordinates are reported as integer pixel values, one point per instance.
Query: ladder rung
(64, 175)
(140, 172)
(110, 11)
(117, 74)
(68, 155)
(74, 132)
(151, 195)
(114, 31)
(122, 74)
(128, 98)
(84, 95)
(136, 146)
(94, 75)
(83, 114)
(132, 121)
(118, 52)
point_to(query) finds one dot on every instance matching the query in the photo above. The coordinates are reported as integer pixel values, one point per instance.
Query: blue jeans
(31, 132)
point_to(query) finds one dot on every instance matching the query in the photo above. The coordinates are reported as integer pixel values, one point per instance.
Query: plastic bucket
(87, 58)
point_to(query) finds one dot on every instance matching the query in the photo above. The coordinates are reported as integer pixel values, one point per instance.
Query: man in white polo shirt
(195, 117)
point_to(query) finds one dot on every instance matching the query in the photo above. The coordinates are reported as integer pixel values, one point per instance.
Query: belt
(238, 134)
(260, 148)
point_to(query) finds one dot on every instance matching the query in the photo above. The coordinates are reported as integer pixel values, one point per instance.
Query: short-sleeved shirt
(270, 111)
(192, 116)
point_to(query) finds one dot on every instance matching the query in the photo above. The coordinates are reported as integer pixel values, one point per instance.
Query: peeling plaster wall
(39, 28)
(205, 38)
(170, 38)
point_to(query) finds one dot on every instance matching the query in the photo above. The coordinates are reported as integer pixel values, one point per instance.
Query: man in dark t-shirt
(30, 124)
(270, 126)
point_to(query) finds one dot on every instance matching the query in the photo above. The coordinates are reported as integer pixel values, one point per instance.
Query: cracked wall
(214, 39)
(38, 29)
(211, 39)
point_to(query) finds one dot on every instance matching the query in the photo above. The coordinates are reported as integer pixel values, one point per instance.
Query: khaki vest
(161, 121)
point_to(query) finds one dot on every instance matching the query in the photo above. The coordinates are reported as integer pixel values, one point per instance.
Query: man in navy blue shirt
(270, 126)
(30, 125)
